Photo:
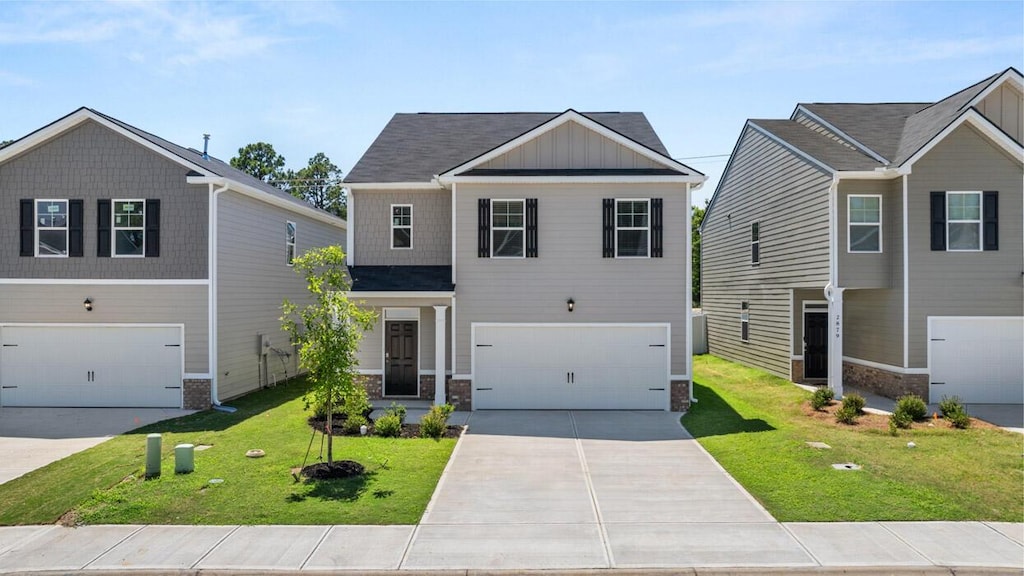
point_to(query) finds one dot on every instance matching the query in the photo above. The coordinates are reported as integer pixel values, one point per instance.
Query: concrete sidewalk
(889, 547)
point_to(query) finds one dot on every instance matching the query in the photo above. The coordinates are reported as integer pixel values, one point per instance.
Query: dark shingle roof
(401, 278)
(877, 126)
(415, 147)
(817, 145)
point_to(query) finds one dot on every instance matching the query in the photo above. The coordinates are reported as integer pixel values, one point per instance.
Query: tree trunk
(330, 433)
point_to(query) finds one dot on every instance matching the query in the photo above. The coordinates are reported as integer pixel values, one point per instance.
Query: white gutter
(211, 335)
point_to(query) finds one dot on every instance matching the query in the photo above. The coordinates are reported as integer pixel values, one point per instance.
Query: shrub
(959, 419)
(911, 407)
(433, 423)
(388, 425)
(822, 397)
(854, 402)
(951, 405)
(396, 410)
(847, 415)
(353, 423)
(899, 420)
(356, 403)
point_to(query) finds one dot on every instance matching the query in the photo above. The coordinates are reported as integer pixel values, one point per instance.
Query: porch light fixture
(87, 304)
(570, 303)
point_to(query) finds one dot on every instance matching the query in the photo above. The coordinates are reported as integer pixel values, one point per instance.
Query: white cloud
(12, 79)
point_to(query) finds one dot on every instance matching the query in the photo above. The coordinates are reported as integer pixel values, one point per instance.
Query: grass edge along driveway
(105, 485)
(752, 423)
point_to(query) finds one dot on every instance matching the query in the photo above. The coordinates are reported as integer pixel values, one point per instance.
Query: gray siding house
(878, 245)
(524, 260)
(140, 273)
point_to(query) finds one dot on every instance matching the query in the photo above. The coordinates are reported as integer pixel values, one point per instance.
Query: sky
(312, 77)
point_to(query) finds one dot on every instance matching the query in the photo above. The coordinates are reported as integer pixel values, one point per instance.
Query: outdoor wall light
(87, 304)
(570, 303)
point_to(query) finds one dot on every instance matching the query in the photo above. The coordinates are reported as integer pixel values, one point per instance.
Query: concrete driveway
(580, 489)
(31, 438)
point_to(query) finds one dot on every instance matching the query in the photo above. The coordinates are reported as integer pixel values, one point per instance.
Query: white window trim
(850, 224)
(647, 228)
(290, 242)
(67, 227)
(758, 242)
(744, 319)
(114, 227)
(494, 228)
(391, 213)
(980, 221)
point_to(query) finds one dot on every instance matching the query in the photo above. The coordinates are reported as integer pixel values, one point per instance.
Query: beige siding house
(140, 273)
(529, 260)
(876, 245)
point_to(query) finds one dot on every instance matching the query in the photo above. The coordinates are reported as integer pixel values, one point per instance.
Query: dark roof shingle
(401, 278)
(817, 145)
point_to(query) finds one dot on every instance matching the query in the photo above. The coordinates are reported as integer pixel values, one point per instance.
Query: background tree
(319, 184)
(327, 331)
(5, 143)
(261, 161)
(696, 218)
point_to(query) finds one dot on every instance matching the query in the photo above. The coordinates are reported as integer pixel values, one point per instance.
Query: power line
(703, 157)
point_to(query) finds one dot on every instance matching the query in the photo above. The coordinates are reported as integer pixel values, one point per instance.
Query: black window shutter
(483, 239)
(103, 227)
(28, 228)
(76, 225)
(531, 227)
(608, 237)
(938, 200)
(152, 228)
(990, 220)
(656, 228)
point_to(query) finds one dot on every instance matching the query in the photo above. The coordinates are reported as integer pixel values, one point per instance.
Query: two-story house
(140, 273)
(878, 245)
(524, 260)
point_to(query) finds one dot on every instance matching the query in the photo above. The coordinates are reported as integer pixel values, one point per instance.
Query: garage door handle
(8, 387)
(655, 345)
(172, 345)
(172, 387)
(10, 345)
(656, 389)
(478, 389)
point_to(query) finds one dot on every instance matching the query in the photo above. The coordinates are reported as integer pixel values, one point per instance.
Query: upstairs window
(755, 243)
(745, 321)
(129, 228)
(632, 228)
(289, 242)
(508, 228)
(963, 221)
(864, 220)
(401, 226)
(51, 228)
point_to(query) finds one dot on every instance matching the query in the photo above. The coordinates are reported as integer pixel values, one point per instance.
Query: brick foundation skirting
(888, 384)
(796, 371)
(427, 384)
(196, 394)
(460, 394)
(373, 384)
(680, 395)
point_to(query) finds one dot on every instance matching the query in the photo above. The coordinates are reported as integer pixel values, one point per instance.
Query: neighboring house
(140, 273)
(540, 260)
(878, 245)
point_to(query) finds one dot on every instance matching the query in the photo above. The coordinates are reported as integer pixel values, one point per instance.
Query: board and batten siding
(431, 228)
(964, 283)
(371, 348)
(253, 278)
(90, 162)
(765, 183)
(570, 265)
(115, 304)
(569, 146)
(1005, 107)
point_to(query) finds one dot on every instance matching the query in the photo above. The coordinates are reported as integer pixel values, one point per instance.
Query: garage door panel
(977, 359)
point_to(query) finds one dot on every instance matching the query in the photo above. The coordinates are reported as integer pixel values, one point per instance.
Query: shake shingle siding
(788, 196)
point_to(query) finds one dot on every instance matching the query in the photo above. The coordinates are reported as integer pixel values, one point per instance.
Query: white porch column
(439, 354)
(835, 338)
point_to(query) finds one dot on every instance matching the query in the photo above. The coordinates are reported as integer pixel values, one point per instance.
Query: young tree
(261, 161)
(327, 330)
(696, 218)
(319, 184)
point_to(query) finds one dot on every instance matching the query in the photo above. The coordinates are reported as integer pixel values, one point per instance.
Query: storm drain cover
(819, 445)
(202, 447)
(846, 466)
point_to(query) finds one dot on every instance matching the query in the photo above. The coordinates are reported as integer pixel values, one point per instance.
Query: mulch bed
(869, 421)
(408, 430)
(338, 469)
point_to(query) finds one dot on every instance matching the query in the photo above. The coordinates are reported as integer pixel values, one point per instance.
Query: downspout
(689, 290)
(212, 302)
(834, 294)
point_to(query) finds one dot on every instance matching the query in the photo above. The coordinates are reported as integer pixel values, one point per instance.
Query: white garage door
(981, 360)
(91, 366)
(582, 366)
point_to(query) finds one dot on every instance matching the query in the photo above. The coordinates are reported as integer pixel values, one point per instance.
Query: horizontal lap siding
(789, 198)
(871, 269)
(115, 305)
(964, 283)
(431, 228)
(371, 352)
(253, 280)
(570, 265)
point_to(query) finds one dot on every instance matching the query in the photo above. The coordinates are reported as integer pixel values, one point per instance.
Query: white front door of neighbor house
(91, 366)
(571, 366)
(978, 359)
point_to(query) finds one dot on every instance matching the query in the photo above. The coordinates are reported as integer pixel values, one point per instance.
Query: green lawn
(104, 485)
(751, 422)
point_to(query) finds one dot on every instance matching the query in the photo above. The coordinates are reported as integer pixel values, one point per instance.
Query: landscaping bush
(353, 423)
(854, 402)
(847, 415)
(388, 425)
(396, 410)
(899, 420)
(357, 403)
(959, 419)
(951, 405)
(911, 406)
(822, 397)
(434, 423)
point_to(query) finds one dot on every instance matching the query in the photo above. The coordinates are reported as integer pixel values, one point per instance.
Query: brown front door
(400, 359)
